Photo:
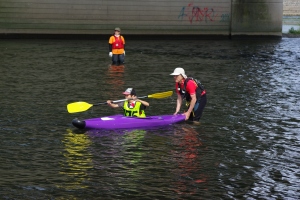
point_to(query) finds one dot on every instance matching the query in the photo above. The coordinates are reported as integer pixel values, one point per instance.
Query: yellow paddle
(83, 106)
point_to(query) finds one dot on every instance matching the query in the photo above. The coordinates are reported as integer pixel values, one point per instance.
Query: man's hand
(187, 115)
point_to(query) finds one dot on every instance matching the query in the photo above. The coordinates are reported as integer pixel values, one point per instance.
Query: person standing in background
(116, 45)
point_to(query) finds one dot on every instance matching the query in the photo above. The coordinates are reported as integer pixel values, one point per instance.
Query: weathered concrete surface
(261, 17)
(142, 17)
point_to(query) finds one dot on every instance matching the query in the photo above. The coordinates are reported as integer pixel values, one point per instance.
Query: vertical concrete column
(256, 17)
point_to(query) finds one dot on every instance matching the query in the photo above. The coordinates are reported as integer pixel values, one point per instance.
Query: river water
(247, 146)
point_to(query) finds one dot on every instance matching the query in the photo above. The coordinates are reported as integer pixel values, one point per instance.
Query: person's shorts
(198, 109)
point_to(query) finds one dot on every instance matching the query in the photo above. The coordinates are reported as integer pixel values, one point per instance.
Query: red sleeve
(191, 87)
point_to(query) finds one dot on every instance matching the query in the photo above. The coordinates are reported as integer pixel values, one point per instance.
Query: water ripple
(247, 146)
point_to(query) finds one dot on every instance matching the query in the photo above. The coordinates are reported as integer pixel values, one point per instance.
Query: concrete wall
(180, 17)
(291, 7)
(257, 17)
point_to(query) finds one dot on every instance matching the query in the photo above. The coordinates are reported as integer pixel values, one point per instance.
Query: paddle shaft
(117, 101)
(83, 106)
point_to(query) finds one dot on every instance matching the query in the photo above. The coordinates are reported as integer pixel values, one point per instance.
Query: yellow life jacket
(135, 111)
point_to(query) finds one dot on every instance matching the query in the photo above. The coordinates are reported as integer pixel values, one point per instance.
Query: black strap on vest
(187, 96)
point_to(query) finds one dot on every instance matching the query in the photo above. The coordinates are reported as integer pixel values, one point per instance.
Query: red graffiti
(195, 13)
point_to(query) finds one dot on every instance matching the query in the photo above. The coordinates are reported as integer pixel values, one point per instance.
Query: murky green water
(247, 146)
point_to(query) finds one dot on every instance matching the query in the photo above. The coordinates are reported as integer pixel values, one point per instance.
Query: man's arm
(179, 102)
(191, 107)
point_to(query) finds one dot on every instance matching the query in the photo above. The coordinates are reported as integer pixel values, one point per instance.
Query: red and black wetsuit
(190, 87)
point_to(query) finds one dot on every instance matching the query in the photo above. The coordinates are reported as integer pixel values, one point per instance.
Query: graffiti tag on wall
(225, 18)
(200, 14)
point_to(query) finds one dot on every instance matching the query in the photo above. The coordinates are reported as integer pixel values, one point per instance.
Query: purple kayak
(122, 122)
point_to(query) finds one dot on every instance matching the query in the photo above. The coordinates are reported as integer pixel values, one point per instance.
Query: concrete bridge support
(142, 17)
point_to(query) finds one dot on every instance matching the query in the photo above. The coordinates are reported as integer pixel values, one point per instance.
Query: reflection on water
(78, 160)
(132, 154)
(247, 146)
(115, 79)
(188, 162)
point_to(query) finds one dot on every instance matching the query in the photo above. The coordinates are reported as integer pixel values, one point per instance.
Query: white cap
(179, 71)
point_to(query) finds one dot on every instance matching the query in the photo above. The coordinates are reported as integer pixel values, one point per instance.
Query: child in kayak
(132, 106)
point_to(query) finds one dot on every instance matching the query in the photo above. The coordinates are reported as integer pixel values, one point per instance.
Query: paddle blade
(161, 95)
(78, 107)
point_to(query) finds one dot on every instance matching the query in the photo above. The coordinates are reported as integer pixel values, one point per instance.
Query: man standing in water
(116, 46)
(194, 93)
